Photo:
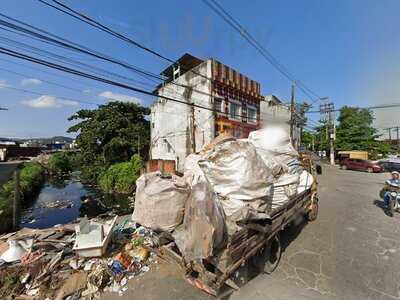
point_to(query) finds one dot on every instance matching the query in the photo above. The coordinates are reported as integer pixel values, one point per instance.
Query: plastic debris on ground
(41, 263)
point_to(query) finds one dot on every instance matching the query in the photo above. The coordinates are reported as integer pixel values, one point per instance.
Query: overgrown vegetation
(31, 180)
(60, 162)
(121, 177)
(108, 136)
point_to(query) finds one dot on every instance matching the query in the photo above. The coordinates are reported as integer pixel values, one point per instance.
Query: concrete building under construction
(214, 98)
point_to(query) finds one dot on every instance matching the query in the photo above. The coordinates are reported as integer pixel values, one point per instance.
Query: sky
(347, 50)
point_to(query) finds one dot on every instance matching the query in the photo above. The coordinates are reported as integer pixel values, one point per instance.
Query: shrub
(60, 162)
(121, 177)
(31, 180)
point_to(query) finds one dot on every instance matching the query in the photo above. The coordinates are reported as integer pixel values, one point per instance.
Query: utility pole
(327, 110)
(192, 123)
(16, 199)
(292, 116)
(302, 119)
(389, 132)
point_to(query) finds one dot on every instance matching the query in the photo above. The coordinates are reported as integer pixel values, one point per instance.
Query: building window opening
(251, 114)
(218, 105)
(235, 110)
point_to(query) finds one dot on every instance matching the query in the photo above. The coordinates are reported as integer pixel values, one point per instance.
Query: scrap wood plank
(165, 252)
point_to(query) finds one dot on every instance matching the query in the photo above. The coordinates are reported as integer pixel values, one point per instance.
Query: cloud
(30, 81)
(119, 97)
(3, 83)
(47, 101)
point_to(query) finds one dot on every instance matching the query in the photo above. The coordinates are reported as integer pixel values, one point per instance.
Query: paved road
(6, 170)
(351, 252)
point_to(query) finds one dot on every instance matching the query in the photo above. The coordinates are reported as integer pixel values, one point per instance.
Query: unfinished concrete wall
(172, 123)
(277, 113)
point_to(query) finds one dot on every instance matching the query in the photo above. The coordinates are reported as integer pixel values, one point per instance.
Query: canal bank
(17, 191)
(63, 199)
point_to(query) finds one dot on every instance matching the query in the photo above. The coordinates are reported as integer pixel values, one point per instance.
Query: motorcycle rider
(394, 181)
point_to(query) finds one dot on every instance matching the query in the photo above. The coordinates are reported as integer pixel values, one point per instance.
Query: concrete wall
(171, 122)
(272, 113)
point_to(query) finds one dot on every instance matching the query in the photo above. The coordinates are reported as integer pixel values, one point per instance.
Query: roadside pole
(327, 110)
(292, 116)
(16, 199)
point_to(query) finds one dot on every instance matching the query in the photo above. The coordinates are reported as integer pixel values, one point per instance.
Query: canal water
(63, 200)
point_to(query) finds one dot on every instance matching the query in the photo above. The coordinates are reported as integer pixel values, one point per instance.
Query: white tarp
(160, 202)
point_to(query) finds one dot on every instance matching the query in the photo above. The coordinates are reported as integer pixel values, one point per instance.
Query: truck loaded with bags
(230, 205)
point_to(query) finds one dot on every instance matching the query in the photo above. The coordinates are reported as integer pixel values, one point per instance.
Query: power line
(67, 60)
(64, 43)
(67, 44)
(100, 26)
(365, 107)
(12, 53)
(43, 80)
(94, 23)
(22, 56)
(90, 21)
(230, 20)
(49, 73)
(41, 94)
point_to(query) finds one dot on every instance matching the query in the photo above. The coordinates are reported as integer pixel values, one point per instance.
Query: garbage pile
(229, 183)
(74, 261)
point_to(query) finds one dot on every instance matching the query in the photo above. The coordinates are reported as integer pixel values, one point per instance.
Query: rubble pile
(229, 184)
(49, 263)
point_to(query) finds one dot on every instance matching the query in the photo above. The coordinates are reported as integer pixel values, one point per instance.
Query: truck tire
(267, 260)
(273, 253)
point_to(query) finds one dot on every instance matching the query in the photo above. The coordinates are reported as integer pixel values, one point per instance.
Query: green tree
(308, 139)
(111, 133)
(356, 132)
(322, 138)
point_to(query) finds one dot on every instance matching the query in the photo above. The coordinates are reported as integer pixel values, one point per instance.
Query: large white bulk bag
(235, 170)
(160, 202)
(273, 139)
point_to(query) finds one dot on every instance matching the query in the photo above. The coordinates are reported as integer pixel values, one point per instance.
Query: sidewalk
(164, 282)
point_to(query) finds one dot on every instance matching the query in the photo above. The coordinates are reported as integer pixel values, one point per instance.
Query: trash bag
(203, 228)
(160, 201)
(235, 170)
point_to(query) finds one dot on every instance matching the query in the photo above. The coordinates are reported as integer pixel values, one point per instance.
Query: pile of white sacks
(231, 181)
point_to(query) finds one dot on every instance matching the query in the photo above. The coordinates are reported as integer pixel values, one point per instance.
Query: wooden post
(16, 199)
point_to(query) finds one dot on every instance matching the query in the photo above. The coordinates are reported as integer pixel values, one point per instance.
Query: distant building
(55, 146)
(15, 152)
(178, 129)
